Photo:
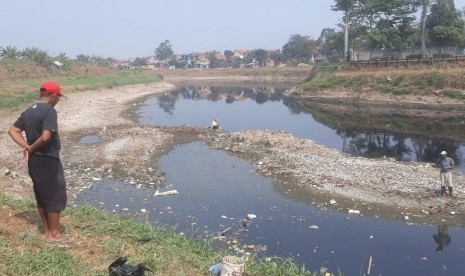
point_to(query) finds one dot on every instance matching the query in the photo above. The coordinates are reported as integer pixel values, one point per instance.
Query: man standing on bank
(446, 165)
(41, 150)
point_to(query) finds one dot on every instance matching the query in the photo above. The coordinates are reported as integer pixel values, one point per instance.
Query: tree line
(393, 24)
(366, 25)
(40, 58)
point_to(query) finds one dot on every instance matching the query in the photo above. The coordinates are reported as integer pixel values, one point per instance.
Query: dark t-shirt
(39, 117)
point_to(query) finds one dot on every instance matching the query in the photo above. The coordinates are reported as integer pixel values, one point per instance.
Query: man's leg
(53, 219)
(443, 183)
(43, 217)
(449, 182)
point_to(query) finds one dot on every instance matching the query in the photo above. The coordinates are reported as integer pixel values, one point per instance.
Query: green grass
(24, 91)
(102, 237)
(51, 261)
(425, 83)
(325, 81)
(454, 93)
(394, 89)
(124, 78)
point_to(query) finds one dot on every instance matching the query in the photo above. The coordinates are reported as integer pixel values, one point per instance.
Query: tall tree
(444, 24)
(394, 18)
(164, 51)
(228, 53)
(333, 46)
(276, 57)
(260, 56)
(299, 49)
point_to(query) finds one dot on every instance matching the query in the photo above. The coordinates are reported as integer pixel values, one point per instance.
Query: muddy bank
(128, 151)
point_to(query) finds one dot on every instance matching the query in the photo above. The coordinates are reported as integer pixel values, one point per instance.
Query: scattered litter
(222, 233)
(406, 218)
(314, 227)
(143, 211)
(125, 209)
(251, 216)
(372, 237)
(171, 192)
(215, 269)
(333, 202)
(232, 265)
(120, 268)
(352, 211)
(224, 217)
(424, 259)
(453, 213)
(251, 246)
(96, 179)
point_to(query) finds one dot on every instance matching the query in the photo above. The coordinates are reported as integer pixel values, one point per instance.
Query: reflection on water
(263, 108)
(217, 191)
(442, 238)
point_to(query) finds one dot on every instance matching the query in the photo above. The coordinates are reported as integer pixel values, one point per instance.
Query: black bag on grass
(120, 268)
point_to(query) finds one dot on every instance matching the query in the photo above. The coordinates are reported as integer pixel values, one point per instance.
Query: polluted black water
(216, 191)
(260, 108)
(213, 192)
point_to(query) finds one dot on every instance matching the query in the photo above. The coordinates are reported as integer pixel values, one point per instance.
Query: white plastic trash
(232, 266)
(352, 211)
(172, 192)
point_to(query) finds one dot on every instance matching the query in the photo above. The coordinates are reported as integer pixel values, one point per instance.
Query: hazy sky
(134, 28)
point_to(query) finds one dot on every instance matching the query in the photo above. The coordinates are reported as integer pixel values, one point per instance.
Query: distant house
(150, 61)
(241, 53)
(121, 64)
(201, 60)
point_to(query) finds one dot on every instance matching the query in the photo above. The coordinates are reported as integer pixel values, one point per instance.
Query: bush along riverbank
(100, 237)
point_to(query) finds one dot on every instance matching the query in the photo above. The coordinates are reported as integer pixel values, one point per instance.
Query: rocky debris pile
(124, 152)
(315, 167)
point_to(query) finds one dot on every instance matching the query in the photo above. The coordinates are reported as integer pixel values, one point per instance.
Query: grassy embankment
(101, 237)
(442, 81)
(16, 93)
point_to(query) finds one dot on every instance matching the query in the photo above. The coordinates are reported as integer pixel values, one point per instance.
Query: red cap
(50, 88)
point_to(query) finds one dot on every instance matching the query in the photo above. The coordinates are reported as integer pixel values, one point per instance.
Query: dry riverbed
(330, 178)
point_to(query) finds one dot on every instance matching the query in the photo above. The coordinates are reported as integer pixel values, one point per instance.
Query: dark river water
(217, 191)
(239, 109)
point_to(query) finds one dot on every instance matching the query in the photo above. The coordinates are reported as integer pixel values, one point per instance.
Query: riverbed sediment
(127, 150)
